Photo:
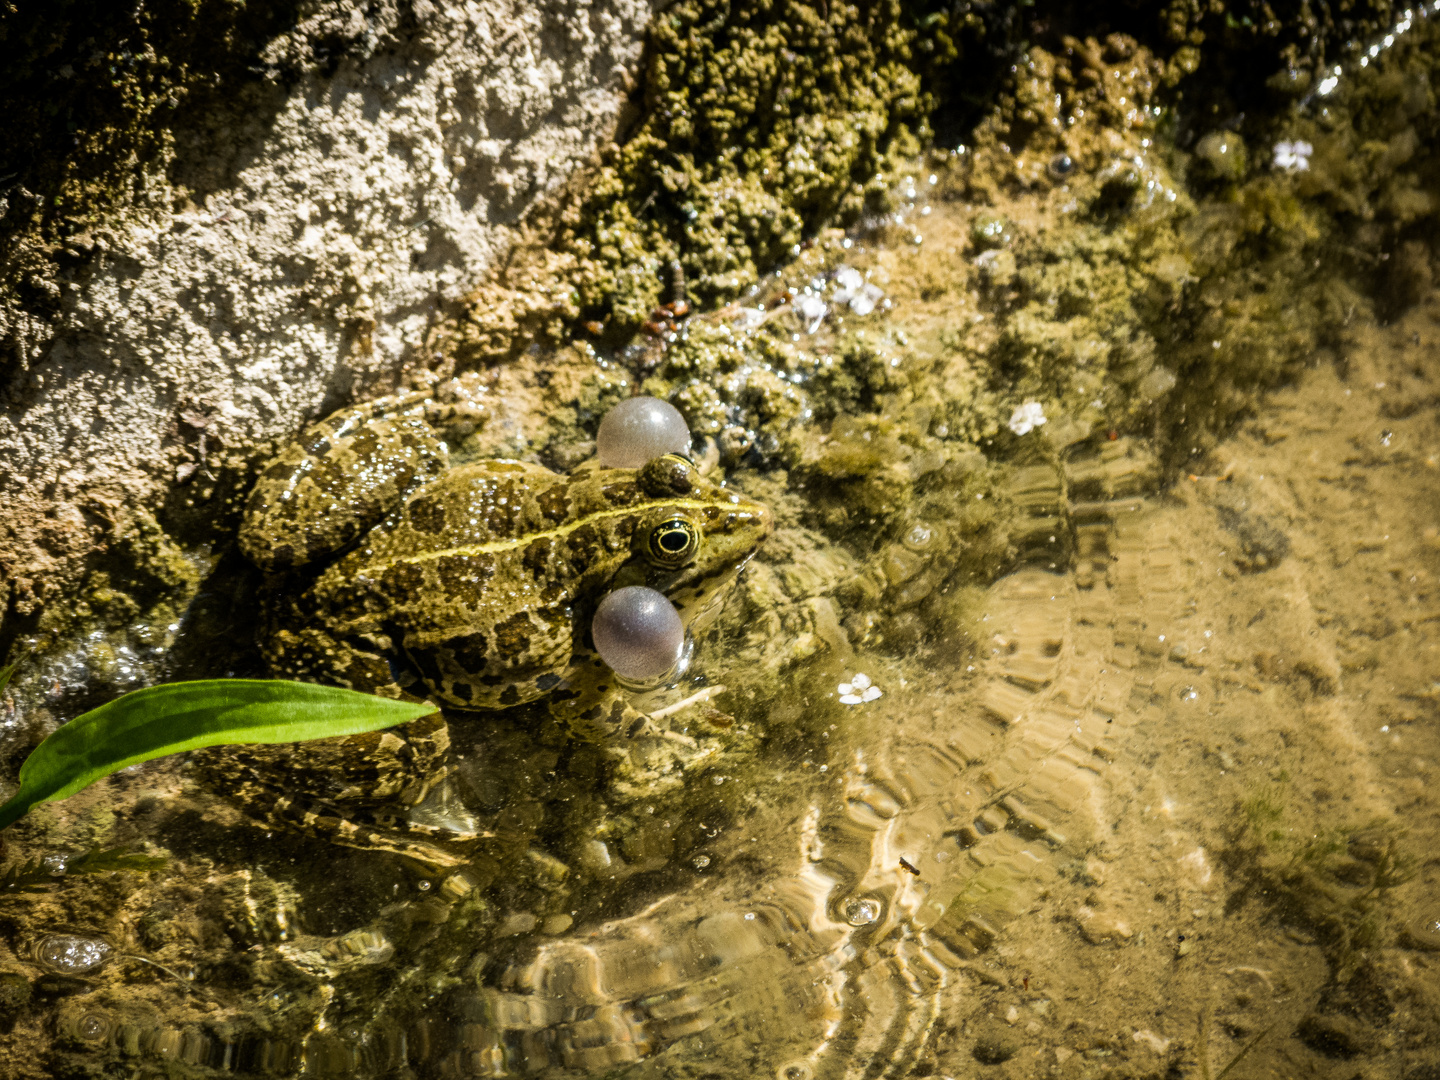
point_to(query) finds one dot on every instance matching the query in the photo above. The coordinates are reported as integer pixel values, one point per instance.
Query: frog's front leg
(339, 479)
(592, 704)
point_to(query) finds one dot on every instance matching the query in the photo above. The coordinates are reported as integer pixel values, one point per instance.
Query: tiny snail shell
(638, 429)
(638, 633)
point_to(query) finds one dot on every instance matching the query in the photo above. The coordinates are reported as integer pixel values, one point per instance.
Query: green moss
(1329, 879)
(759, 123)
(143, 575)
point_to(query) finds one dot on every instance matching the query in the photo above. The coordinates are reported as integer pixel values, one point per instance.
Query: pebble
(1102, 928)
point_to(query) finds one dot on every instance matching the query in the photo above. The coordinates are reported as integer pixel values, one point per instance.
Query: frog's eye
(673, 543)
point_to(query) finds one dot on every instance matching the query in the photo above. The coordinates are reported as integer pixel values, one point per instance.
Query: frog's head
(693, 537)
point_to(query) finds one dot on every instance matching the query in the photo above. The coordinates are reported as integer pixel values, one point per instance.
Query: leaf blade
(6, 673)
(177, 717)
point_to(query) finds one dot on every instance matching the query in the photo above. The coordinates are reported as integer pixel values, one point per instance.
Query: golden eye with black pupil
(672, 543)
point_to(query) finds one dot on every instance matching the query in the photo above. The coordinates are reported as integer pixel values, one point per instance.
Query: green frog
(396, 573)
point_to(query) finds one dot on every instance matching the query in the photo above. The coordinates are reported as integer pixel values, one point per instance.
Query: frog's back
(481, 573)
(534, 525)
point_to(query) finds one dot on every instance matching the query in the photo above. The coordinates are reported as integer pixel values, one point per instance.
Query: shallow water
(1157, 797)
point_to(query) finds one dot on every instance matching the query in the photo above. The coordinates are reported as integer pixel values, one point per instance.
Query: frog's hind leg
(358, 790)
(296, 648)
(422, 844)
(338, 480)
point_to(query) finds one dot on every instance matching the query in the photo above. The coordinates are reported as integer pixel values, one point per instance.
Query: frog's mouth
(699, 600)
(699, 588)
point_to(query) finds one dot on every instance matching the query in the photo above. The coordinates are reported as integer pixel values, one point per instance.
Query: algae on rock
(758, 124)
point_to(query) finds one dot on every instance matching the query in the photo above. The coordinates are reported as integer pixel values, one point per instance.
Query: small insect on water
(906, 864)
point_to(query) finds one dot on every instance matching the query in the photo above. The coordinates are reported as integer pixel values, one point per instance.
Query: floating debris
(1026, 418)
(1292, 156)
(861, 295)
(858, 690)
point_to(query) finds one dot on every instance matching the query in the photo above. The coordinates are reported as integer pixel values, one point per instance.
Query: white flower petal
(811, 311)
(860, 681)
(845, 688)
(1027, 417)
(862, 303)
(872, 693)
(850, 699)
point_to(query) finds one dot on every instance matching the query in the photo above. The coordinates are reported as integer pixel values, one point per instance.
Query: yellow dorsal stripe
(495, 547)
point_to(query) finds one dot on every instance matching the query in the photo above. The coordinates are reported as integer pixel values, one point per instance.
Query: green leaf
(177, 717)
(6, 672)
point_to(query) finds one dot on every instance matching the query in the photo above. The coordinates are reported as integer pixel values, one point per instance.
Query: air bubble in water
(93, 1027)
(860, 912)
(69, 954)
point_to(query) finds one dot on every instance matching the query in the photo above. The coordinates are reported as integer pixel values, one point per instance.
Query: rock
(1102, 927)
(14, 992)
(323, 220)
(1262, 545)
(994, 1045)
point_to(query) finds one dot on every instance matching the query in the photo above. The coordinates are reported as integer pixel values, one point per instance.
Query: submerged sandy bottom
(1281, 735)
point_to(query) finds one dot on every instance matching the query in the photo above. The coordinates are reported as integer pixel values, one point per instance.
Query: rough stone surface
(324, 236)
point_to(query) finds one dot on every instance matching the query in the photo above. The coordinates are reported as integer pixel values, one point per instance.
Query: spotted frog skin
(477, 583)
(395, 573)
